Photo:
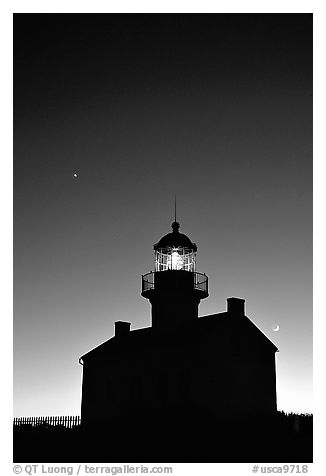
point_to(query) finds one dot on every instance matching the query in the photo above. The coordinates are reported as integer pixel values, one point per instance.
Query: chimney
(121, 328)
(236, 306)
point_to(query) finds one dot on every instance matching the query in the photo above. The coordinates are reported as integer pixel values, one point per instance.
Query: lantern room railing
(147, 281)
(200, 282)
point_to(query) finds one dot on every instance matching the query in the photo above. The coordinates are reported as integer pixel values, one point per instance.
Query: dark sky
(215, 108)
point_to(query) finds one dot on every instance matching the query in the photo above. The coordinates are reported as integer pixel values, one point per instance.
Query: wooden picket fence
(48, 421)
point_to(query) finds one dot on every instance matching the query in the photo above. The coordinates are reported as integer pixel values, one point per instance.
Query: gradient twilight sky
(215, 108)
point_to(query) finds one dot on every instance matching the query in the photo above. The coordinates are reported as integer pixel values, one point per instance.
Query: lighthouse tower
(175, 288)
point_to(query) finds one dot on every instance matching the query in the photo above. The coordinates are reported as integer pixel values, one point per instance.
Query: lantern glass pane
(175, 259)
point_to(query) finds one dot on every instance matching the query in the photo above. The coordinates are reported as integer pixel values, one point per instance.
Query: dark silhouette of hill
(171, 437)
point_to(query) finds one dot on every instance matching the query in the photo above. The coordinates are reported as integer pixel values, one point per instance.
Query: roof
(175, 239)
(236, 332)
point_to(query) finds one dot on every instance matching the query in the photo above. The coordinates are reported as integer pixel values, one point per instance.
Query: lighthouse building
(215, 365)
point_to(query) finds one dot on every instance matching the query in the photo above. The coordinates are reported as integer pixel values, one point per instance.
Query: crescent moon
(277, 328)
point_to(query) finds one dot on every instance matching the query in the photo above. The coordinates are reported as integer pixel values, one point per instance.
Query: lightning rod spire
(175, 208)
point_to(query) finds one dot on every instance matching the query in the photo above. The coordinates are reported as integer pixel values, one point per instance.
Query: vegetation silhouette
(182, 435)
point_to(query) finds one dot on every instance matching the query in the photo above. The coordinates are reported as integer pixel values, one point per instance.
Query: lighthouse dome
(175, 240)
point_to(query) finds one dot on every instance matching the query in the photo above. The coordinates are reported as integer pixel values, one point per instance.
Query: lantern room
(175, 251)
(175, 288)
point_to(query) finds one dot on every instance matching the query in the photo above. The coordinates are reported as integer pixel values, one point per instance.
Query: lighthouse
(182, 363)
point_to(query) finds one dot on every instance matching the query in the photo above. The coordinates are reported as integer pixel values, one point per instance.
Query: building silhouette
(220, 364)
